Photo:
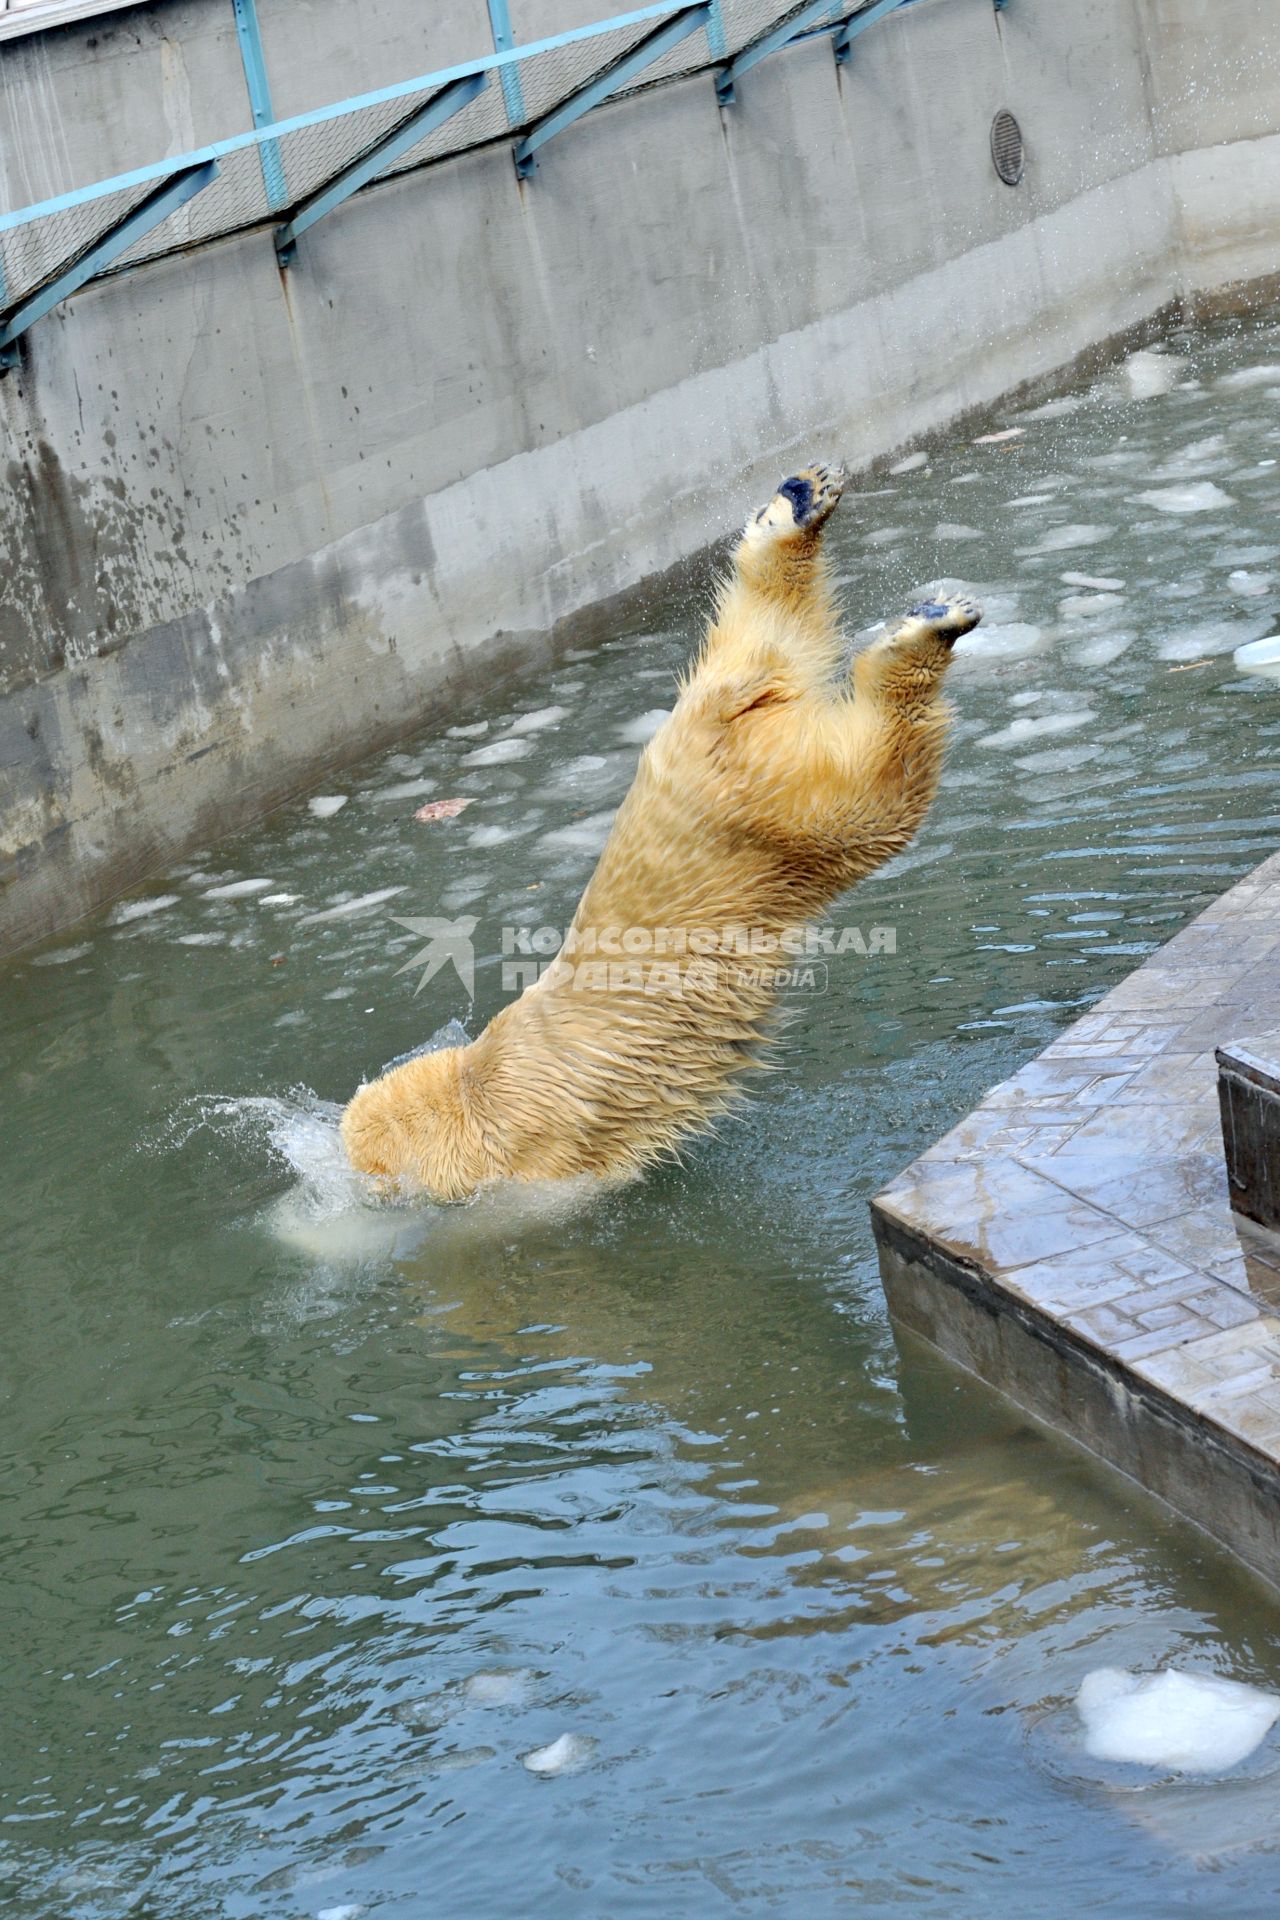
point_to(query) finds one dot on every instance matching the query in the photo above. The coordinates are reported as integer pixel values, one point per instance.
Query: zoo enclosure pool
(320, 1521)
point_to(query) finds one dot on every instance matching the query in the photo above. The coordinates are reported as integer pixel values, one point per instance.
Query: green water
(316, 1524)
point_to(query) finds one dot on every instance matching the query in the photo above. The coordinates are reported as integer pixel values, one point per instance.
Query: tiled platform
(1072, 1243)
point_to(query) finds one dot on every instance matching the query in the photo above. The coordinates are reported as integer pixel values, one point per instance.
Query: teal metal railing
(292, 173)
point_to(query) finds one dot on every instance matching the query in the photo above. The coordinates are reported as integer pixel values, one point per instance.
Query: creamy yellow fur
(771, 788)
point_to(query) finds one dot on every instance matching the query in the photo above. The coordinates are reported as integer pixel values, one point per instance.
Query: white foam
(142, 909)
(237, 889)
(344, 908)
(1180, 1722)
(498, 753)
(325, 805)
(568, 1754)
(540, 718)
(1100, 583)
(636, 732)
(1024, 728)
(1200, 496)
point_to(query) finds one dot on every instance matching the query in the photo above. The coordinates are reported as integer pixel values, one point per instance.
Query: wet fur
(773, 786)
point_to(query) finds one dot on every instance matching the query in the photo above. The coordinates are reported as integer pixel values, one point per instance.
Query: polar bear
(772, 787)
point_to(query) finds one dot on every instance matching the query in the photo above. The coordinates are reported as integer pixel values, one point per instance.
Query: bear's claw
(948, 619)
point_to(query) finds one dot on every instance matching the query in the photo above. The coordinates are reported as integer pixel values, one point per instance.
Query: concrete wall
(254, 523)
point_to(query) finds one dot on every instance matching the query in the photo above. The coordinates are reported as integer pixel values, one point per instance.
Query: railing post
(254, 62)
(503, 41)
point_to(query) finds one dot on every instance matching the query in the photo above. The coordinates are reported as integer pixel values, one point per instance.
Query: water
(608, 1557)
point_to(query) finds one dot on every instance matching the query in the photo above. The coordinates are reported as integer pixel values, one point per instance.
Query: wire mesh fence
(269, 174)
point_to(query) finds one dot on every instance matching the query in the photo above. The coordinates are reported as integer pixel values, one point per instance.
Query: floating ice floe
(1147, 375)
(535, 722)
(1062, 539)
(1012, 641)
(325, 805)
(403, 790)
(1266, 375)
(237, 889)
(1181, 1722)
(1086, 603)
(498, 752)
(1023, 729)
(912, 463)
(473, 732)
(278, 900)
(1249, 586)
(351, 1911)
(1056, 409)
(1201, 496)
(1103, 649)
(993, 439)
(1193, 462)
(345, 908)
(503, 1687)
(61, 956)
(140, 909)
(644, 726)
(952, 530)
(1098, 582)
(201, 939)
(568, 1754)
(1207, 638)
(590, 833)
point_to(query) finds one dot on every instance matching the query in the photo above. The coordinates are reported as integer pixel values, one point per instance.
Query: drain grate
(1006, 147)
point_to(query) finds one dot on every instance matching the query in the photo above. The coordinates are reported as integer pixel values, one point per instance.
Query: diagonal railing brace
(172, 193)
(405, 135)
(651, 48)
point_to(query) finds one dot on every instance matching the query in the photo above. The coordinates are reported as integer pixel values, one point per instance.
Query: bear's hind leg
(905, 665)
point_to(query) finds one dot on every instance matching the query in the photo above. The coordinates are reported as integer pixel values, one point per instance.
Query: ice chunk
(140, 909)
(350, 1911)
(1023, 729)
(1098, 582)
(1055, 409)
(1267, 375)
(912, 463)
(201, 939)
(536, 721)
(61, 956)
(1202, 456)
(1210, 637)
(1058, 759)
(1062, 539)
(1249, 586)
(508, 1687)
(325, 805)
(1009, 642)
(993, 439)
(237, 889)
(498, 752)
(568, 1754)
(951, 530)
(590, 833)
(1147, 375)
(644, 726)
(473, 732)
(1200, 496)
(1183, 1722)
(584, 764)
(278, 900)
(402, 790)
(883, 536)
(345, 908)
(1085, 603)
(1101, 651)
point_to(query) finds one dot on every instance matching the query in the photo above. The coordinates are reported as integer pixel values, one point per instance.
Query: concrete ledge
(1073, 1244)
